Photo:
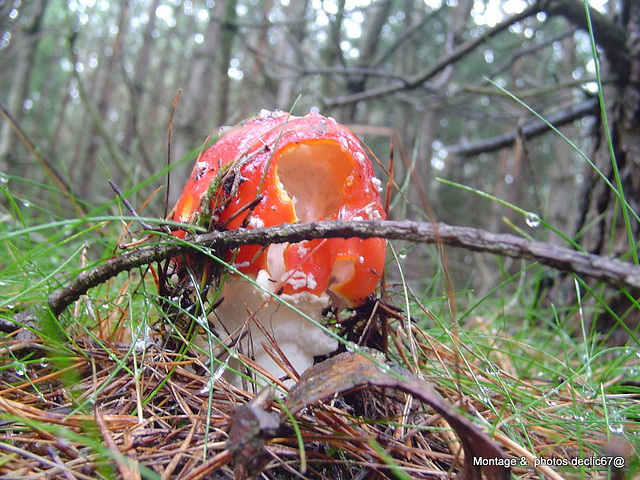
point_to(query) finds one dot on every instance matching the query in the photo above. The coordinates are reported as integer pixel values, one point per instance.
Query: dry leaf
(350, 370)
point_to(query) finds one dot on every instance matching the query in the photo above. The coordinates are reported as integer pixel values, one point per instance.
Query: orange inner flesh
(313, 177)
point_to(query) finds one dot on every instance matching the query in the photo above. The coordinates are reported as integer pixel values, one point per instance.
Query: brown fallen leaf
(350, 370)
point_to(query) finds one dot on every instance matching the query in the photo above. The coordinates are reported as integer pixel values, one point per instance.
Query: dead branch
(416, 80)
(608, 34)
(614, 272)
(529, 130)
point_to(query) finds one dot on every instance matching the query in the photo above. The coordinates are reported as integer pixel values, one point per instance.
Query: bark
(432, 115)
(331, 53)
(601, 206)
(228, 30)
(368, 48)
(193, 117)
(604, 227)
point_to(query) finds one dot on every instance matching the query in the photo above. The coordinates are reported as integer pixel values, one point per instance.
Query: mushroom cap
(306, 169)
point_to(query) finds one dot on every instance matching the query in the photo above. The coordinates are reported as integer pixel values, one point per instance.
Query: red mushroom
(276, 169)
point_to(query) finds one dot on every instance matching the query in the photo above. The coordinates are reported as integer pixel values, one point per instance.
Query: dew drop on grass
(20, 369)
(532, 219)
(402, 255)
(616, 428)
(493, 369)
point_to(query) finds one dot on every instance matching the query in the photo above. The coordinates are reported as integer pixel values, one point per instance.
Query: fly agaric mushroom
(276, 169)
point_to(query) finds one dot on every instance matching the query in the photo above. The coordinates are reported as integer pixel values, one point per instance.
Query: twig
(614, 272)
(418, 79)
(128, 205)
(529, 130)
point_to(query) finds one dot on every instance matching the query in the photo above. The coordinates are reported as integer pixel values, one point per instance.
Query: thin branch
(614, 272)
(535, 47)
(416, 80)
(529, 130)
(609, 34)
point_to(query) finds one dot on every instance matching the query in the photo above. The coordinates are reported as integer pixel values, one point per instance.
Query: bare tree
(290, 38)
(99, 112)
(17, 73)
(137, 85)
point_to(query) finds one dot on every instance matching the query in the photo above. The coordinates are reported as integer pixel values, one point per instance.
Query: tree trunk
(90, 162)
(601, 206)
(368, 48)
(291, 37)
(25, 49)
(137, 88)
(223, 92)
(604, 227)
(193, 117)
(331, 53)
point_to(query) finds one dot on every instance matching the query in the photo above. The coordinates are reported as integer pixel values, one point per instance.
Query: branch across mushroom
(275, 169)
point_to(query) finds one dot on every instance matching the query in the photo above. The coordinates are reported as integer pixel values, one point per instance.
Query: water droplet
(20, 369)
(485, 395)
(493, 369)
(616, 428)
(533, 220)
(402, 255)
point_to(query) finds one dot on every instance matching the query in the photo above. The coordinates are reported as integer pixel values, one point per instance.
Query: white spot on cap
(255, 222)
(377, 183)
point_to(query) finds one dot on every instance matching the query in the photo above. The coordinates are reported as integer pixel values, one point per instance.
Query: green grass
(534, 371)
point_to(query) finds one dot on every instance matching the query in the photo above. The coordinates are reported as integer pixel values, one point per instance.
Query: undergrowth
(112, 387)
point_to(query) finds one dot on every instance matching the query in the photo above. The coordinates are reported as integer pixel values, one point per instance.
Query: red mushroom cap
(306, 169)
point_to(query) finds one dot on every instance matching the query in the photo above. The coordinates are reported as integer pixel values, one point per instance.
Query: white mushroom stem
(299, 339)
